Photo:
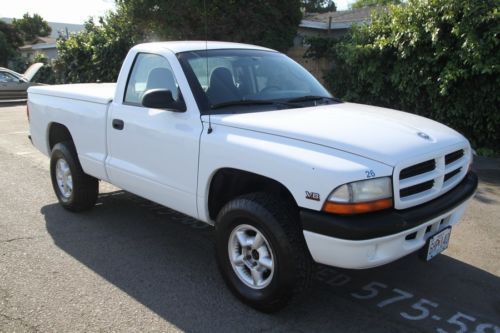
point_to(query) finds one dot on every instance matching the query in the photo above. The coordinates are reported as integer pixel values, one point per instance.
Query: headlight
(360, 197)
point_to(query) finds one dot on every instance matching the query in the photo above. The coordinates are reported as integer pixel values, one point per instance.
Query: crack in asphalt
(16, 239)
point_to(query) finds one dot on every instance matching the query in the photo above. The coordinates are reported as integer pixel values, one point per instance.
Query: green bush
(95, 54)
(436, 58)
(19, 64)
(45, 74)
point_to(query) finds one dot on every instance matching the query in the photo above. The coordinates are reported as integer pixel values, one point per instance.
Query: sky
(342, 4)
(73, 11)
(64, 11)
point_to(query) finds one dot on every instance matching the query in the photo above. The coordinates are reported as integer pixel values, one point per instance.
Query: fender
(288, 161)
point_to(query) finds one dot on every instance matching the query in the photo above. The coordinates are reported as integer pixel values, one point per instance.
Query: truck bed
(101, 93)
(82, 109)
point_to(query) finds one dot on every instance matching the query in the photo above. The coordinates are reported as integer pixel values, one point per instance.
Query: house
(333, 24)
(58, 28)
(329, 25)
(47, 45)
(43, 45)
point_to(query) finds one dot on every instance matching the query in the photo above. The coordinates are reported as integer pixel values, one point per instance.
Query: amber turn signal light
(356, 208)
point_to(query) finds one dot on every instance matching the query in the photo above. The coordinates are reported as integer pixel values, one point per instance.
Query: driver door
(154, 152)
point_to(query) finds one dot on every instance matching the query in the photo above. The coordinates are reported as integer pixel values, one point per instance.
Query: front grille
(450, 175)
(416, 189)
(421, 181)
(417, 169)
(450, 158)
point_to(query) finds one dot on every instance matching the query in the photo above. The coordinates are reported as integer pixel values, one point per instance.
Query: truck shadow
(165, 261)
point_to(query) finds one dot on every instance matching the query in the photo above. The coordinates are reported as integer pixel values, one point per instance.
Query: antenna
(206, 56)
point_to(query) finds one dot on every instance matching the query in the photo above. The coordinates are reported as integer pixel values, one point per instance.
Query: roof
(40, 43)
(184, 46)
(343, 19)
(47, 40)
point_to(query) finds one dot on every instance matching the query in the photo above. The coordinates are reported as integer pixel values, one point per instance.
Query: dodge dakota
(245, 139)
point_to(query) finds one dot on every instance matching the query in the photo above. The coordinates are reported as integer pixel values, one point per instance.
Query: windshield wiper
(250, 102)
(312, 98)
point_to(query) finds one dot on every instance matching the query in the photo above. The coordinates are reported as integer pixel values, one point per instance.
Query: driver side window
(149, 71)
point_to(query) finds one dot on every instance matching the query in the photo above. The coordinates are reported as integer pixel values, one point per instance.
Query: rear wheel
(261, 251)
(75, 190)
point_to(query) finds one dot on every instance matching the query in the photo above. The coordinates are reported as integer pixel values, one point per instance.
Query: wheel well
(229, 183)
(58, 133)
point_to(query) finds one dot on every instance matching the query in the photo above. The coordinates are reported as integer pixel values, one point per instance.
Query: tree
(268, 23)
(32, 26)
(371, 3)
(97, 52)
(10, 41)
(318, 6)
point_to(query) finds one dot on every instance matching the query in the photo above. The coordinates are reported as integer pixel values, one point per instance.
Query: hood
(380, 134)
(32, 70)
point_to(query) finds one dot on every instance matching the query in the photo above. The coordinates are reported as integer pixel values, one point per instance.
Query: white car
(245, 139)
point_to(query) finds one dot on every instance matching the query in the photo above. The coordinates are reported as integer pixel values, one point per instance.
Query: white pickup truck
(245, 139)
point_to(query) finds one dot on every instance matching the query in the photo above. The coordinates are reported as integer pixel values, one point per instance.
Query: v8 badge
(312, 196)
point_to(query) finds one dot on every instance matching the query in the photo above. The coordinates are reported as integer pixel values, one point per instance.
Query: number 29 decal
(370, 174)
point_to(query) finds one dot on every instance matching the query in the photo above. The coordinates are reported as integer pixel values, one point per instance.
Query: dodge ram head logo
(312, 196)
(424, 136)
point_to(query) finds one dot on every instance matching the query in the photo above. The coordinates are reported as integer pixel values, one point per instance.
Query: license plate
(437, 243)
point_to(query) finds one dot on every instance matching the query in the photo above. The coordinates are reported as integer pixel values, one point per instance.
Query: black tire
(278, 222)
(85, 188)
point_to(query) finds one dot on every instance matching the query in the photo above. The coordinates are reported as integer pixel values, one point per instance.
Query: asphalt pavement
(130, 265)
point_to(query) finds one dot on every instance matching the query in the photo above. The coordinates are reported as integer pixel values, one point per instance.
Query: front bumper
(368, 240)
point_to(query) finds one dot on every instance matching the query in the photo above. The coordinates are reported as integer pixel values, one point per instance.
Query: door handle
(118, 124)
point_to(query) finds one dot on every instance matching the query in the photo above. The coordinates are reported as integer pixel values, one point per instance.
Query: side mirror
(162, 99)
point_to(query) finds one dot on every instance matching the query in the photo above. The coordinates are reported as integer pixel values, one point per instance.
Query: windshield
(239, 78)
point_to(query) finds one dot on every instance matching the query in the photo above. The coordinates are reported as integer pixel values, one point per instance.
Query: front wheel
(261, 251)
(75, 190)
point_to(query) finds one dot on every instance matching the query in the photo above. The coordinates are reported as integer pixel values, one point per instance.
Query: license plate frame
(436, 244)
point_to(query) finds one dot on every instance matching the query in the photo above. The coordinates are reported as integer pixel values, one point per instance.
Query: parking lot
(131, 265)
